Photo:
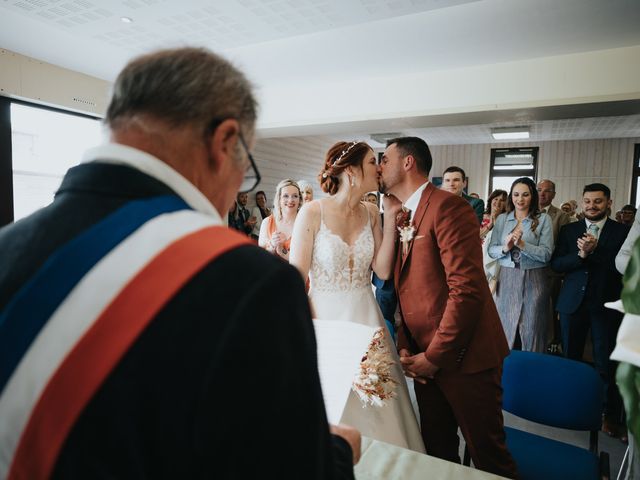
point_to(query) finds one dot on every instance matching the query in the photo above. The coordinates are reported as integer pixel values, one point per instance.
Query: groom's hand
(417, 366)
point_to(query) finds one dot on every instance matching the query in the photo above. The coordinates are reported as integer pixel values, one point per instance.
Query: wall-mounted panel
(40, 82)
(9, 73)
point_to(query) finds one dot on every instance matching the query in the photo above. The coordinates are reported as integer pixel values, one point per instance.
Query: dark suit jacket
(593, 280)
(234, 221)
(385, 294)
(444, 297)
(386, 297)
(243, 215)
(477, 204)
(222, 384)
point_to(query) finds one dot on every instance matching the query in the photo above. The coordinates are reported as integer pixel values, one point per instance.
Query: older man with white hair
(130, 346)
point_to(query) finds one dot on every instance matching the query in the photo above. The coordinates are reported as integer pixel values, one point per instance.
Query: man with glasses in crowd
(135, 329)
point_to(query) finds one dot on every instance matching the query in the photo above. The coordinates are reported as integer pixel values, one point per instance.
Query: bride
(336, 242)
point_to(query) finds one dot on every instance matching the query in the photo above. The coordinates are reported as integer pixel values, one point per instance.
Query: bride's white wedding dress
(340, 289)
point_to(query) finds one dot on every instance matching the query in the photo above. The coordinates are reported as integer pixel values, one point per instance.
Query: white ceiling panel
(542, 130)
(303, 42)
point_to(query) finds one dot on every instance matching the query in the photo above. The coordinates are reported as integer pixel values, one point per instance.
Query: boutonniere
(407, 234)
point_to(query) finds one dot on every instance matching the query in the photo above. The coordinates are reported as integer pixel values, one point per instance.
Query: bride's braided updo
(339, 157)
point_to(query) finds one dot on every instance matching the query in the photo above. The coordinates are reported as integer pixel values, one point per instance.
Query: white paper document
(628, 339)
(341, 346)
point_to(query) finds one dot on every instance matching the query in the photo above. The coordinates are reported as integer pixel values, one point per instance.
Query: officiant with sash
(128, 343)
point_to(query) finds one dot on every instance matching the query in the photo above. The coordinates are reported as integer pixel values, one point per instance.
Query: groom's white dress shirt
(412, 202)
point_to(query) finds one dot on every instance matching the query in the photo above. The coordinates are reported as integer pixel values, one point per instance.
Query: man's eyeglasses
(252, 175)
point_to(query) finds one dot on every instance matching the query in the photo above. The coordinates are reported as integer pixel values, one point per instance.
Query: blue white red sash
(67, 328)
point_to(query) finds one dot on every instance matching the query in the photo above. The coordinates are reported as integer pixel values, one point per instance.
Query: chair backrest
(552, 390)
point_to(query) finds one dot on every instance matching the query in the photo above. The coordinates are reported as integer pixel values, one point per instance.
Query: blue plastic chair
(557, 392)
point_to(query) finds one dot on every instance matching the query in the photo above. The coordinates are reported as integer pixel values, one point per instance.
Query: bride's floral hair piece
(338, 158)
(344, 152)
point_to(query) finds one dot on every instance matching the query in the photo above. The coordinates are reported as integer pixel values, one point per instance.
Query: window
(45, 143)
(508, 164)
(635, 181)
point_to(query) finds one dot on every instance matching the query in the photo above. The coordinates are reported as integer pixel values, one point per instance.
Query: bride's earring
(353, 181)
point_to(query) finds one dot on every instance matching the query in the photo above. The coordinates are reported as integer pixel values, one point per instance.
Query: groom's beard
(382, 188)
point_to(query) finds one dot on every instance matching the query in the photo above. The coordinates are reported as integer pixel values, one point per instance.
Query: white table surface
(381, 461)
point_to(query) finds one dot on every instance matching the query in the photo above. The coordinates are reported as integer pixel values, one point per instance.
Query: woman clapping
(496, 205)
(522, 242)
(275, 231)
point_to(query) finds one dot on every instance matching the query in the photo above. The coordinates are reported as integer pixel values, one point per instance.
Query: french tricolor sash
(68, 327)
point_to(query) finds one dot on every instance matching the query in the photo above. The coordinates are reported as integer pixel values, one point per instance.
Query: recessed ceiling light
(126, 19)
(510, 133)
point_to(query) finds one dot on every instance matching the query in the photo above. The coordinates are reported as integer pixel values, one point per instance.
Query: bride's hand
(391, 206)
(276, 239)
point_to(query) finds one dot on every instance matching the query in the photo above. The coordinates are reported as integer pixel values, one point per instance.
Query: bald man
(546, 194)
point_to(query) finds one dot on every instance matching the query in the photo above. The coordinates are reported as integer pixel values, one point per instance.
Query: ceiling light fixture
(383, 137)
(510, 133)
(126, 19)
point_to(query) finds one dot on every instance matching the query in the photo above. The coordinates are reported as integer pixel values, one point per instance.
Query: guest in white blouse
(260, 212)
(622, 259)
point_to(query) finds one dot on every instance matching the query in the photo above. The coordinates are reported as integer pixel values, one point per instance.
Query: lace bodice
(337, 266)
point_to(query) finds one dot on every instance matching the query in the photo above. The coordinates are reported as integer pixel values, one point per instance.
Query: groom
(451, 341)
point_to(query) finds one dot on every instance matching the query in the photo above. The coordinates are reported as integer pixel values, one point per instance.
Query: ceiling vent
(383, 137)
(84, 101)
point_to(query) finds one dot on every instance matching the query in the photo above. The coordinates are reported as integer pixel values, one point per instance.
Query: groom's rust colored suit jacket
(444, 297)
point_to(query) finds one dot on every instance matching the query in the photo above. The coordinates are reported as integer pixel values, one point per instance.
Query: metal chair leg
(623, 465)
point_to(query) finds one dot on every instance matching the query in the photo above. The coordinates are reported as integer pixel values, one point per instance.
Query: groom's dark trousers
(449, 315)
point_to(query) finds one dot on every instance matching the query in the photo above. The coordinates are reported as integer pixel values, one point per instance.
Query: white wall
(570, 164)
(297, 158)
(599, 76)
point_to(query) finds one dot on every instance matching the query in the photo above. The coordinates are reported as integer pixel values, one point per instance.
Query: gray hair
(304, 186)
(181, 86)
(546, 180)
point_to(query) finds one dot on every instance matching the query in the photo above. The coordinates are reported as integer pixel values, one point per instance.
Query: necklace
(352, 212)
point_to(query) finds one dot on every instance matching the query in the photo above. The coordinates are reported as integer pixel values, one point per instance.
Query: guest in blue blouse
(522, 242)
